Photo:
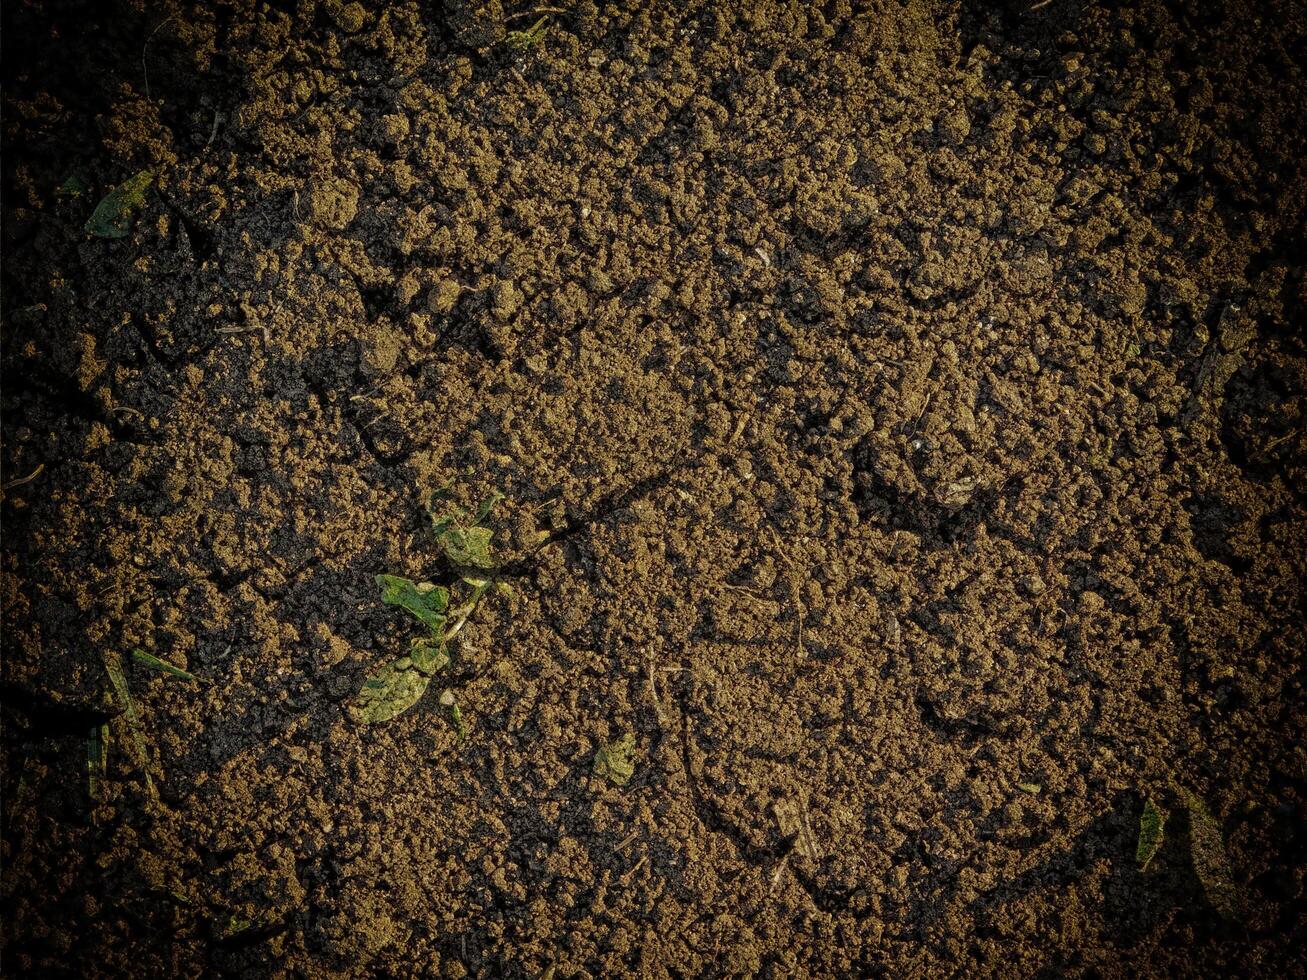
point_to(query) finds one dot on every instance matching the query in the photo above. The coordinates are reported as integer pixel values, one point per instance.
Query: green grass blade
(114, 665)
(150, 660)
(97, 759)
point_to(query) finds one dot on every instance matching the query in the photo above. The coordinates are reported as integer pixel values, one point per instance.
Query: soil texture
(910, 399)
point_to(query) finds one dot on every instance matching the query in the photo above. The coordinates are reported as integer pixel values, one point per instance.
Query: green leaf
(469, 546)
(1211, 863)
(112, 217)
(1151, 822)
(150, 660)
(391, 691)
(460, 533)
(614, 760)
(425, 601)
(428, 656)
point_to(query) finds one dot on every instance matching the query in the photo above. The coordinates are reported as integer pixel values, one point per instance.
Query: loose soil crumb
(914, 394)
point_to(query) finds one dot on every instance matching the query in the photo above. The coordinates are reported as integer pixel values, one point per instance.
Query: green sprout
(464, 539)
(1207, 850)
(455, 713)
(529, 38)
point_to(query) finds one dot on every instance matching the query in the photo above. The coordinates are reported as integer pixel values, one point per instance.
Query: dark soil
(914, 394)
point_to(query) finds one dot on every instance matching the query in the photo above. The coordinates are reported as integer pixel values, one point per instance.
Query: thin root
(5, 488)
(741, 589)
(249, 328)
(145, 69)
(536, 12)
(217, 117)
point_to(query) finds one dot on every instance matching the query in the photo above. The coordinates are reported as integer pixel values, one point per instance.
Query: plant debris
(614, 760)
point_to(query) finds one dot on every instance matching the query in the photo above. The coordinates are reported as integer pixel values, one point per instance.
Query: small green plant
(464, 539)
(1151, 824)
(529, 38)
(455, 713)
(112, 217)
(71, 188)
(118, 678)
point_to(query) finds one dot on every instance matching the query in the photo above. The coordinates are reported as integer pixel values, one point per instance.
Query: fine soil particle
(913, 394)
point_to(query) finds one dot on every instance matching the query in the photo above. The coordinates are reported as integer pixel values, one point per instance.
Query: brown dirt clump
(913, 391)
